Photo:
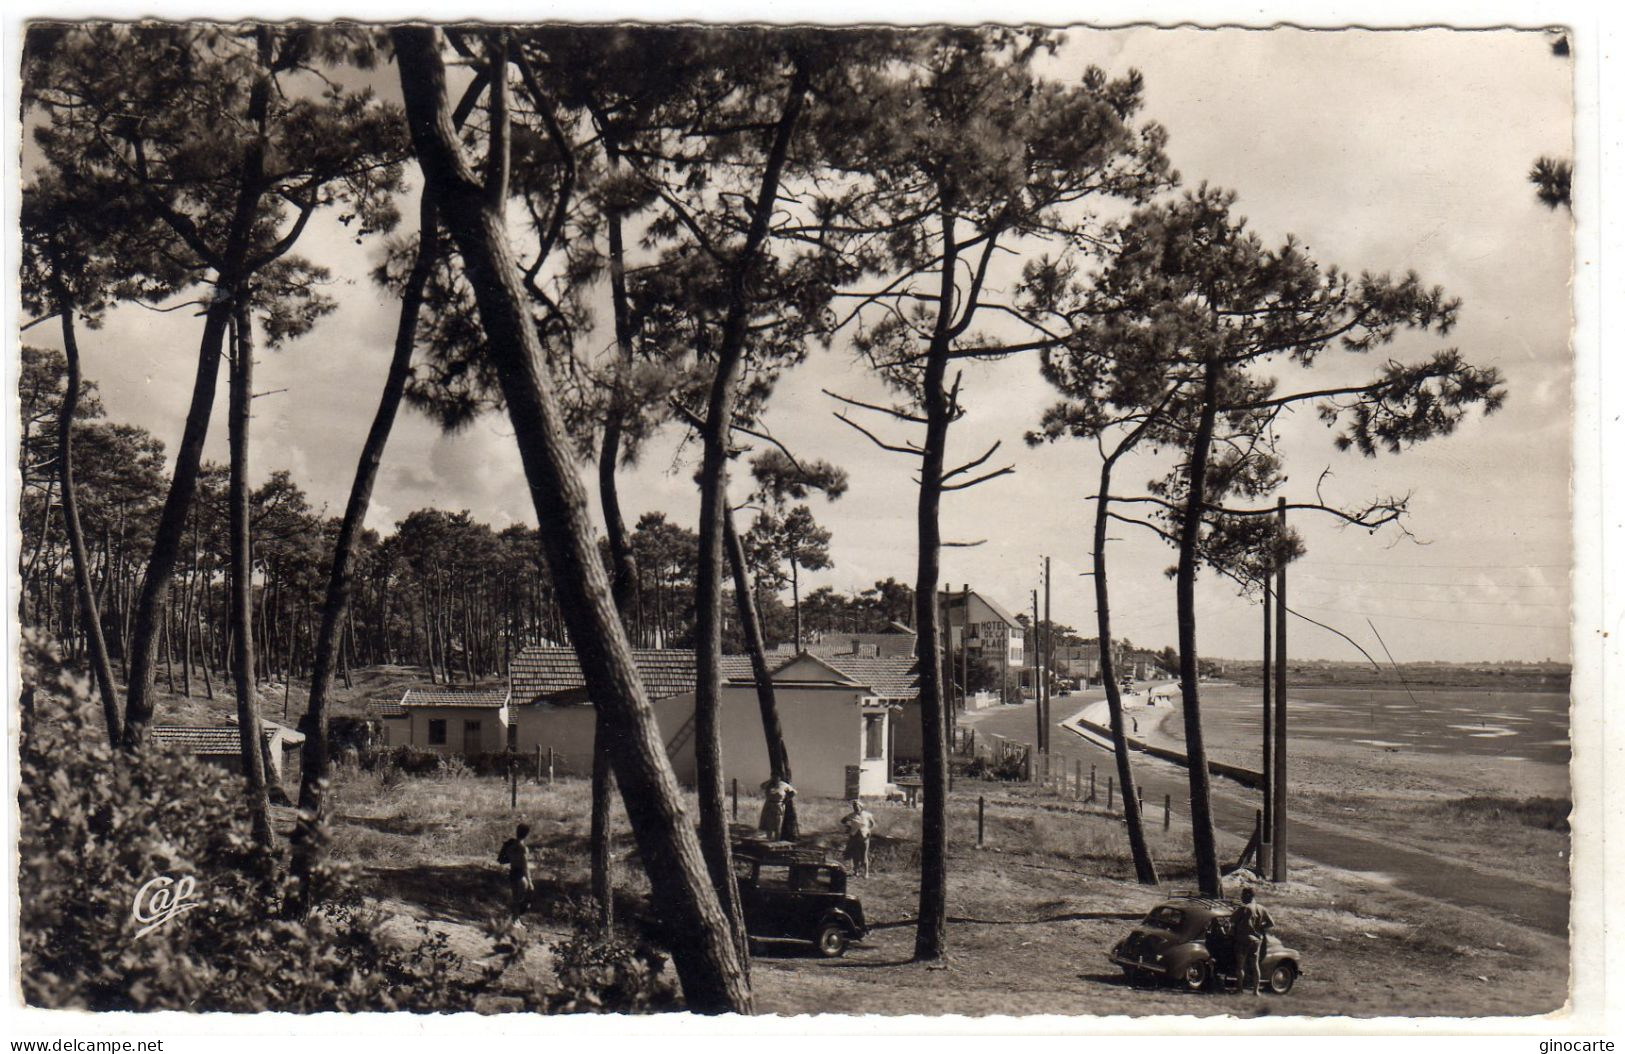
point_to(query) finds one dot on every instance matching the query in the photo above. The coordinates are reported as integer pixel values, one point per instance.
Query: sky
(1381, 151)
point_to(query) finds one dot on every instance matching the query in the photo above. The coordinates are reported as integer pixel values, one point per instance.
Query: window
(874, 736)
(821, 879)
(776, 876)
(471, 735)
(437, 732)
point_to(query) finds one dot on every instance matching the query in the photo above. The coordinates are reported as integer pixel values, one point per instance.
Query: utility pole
(964, 647)
(1280, 712)
(1038, 692)
(949, 717)
(1048, 654)
(1269, 718)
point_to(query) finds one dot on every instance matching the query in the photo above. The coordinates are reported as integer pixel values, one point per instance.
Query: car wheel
(1196, 975)
(832, 940)
(1282, 978)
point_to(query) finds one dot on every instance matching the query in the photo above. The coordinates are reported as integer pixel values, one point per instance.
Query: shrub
(1009, 767)
(1548, 814)
(608, 973)
(95, 826)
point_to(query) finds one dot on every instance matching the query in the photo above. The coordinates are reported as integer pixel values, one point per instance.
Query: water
(1525, 725)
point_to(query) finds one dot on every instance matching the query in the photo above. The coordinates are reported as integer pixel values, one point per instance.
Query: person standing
(516, 855)
(775, 792)
(860, 825)
(1248, 925)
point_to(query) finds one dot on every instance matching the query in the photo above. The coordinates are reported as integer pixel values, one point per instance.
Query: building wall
(569, 731)
(493, 734)
(823, 731)
(397, 731)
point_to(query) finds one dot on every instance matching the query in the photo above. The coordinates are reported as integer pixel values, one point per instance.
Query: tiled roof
(892, 676)
(541, 672)
(204, 741)
(386, 709)
(538, 672)
(482, 699)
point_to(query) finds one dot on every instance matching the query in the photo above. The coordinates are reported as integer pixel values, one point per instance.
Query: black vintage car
(1187, 941)
(796, 896)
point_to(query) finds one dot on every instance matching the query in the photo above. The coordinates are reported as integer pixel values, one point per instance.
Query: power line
(1457, 567)
(1426, 618)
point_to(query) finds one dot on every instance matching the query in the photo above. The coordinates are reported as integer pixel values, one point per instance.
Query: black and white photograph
(975, 519)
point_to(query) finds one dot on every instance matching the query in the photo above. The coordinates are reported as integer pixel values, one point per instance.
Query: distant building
(994, 641)
(896, 641)
(1079, 662)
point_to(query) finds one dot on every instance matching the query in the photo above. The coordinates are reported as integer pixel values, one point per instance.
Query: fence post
(1091, 783)
(736, 797)
(1077, 778)
(1110, 781)
(513, 782)
(550, 766)
(1167, 807)
(538, 763)
(981, 819)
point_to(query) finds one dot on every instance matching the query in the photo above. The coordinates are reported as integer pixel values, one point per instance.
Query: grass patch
(1546, 814)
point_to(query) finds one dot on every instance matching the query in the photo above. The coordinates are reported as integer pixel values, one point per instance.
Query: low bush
(1008, 767)
(608, 973)
(97, 827)
(1547, 814)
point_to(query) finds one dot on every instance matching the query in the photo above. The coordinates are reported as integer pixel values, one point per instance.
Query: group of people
(859, 824)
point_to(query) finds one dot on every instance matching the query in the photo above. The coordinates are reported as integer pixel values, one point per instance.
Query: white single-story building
(460, 721)
(839, 714)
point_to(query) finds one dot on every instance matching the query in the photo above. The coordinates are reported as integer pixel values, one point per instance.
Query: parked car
(796, 896)
(1187, 941)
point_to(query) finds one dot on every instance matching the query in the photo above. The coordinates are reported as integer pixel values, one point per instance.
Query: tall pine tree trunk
(142, 640)
(778, 755)
(314, 759)
(1145, 869)
(719, 415)
(623, 587)
(248, 718)
(1190, 529)
(707, 960)
(931, 932)
(139, 706)
(101, 667)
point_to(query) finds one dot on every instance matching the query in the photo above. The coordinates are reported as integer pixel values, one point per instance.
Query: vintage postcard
(823, 519)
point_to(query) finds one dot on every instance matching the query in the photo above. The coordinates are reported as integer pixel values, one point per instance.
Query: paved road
(1233, 810)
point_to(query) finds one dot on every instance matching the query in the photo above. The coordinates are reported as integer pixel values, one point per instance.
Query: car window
(815, 878)
(773, 876)
(743, 868)
(1166, 918)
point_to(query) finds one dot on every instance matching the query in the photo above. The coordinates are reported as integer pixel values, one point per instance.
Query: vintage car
(796, 896)
(1187, 941)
